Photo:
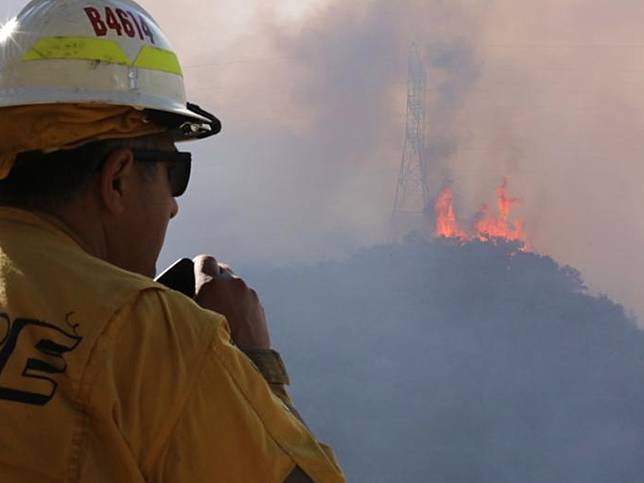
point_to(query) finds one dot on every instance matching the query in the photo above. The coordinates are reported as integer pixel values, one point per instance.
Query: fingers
(225, 268)
(208, 265)
(206, 270)
(226, 271)
(219, 289)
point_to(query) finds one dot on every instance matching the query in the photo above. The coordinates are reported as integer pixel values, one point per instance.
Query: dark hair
(47, 181)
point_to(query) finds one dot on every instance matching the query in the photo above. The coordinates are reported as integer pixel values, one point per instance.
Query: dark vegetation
(431, 362)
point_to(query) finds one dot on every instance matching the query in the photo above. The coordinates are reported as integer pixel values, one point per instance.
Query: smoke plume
(545, 94)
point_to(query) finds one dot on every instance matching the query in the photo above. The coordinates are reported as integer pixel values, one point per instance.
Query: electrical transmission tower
(412, 193)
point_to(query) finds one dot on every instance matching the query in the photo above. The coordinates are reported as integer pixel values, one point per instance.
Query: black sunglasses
(178, 167)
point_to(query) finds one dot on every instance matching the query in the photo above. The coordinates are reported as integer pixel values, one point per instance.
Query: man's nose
(174, 209)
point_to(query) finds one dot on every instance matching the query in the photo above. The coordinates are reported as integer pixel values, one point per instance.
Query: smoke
(313, 150)
(558, 107)
(545, 93)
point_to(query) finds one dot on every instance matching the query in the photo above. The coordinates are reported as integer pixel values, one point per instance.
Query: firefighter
(106, 375)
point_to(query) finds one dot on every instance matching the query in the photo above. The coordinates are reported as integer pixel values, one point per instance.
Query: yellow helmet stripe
(102, 50)
(153, 58)
(78, 48)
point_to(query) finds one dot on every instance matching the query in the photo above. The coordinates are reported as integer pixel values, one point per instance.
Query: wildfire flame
(445, 218)
(488, 226)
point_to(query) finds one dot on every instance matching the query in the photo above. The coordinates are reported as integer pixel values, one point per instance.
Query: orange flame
(446, 225)
(488, 226)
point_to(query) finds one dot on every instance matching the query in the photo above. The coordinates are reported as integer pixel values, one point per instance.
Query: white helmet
(96, 51)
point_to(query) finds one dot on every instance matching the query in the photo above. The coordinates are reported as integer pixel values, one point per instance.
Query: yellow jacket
(106, 376)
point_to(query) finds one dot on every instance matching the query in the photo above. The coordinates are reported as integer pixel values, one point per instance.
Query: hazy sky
(548, 93)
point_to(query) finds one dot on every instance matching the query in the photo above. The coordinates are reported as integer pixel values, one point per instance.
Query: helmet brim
(193, 122)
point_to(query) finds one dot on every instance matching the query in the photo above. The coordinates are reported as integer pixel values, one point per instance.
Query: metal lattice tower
(412, 193)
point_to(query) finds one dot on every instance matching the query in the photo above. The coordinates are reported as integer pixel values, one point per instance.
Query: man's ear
(116, 180)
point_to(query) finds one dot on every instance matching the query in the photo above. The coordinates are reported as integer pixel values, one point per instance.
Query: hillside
(476, 363)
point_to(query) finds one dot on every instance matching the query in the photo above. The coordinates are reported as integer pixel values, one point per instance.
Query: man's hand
(220, 290)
